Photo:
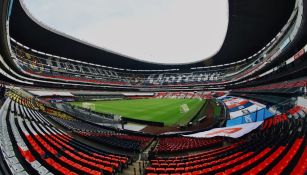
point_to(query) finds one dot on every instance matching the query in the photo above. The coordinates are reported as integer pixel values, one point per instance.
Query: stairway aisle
(138, 167)
(135, 169)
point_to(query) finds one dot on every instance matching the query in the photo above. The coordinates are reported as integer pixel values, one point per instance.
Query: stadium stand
(271, 149)
(103, 135)
(283, 86)
(183, 144)
(47, 149)
(253, 120)
(49, 68)
(88, 115)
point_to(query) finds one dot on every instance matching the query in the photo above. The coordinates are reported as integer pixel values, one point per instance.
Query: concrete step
(137, 168)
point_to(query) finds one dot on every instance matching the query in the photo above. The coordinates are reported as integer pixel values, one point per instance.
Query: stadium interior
(70, 107)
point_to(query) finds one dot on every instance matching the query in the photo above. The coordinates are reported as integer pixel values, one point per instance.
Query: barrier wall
(143, 122)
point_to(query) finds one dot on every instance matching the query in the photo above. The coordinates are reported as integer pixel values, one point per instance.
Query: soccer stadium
(162, 101)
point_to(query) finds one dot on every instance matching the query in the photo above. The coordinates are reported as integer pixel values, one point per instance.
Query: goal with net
(89, 106)
(184, 108)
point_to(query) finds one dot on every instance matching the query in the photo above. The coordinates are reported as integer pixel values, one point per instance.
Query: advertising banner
(233, 132)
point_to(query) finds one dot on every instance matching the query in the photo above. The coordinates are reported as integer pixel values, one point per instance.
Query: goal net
(184, 108)
(87, 105)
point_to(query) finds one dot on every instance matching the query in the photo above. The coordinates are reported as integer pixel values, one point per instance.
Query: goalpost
(87, 105)
(184, 108)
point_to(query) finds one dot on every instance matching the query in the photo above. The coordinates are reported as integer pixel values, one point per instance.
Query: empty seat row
(181, 144)
(106, 136)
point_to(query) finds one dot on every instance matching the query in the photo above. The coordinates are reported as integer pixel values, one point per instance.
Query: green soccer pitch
(166, 111)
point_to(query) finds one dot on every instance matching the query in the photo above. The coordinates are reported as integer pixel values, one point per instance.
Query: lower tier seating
(31, 145)
(106, 136)
(183, 144)
(277, 147)
(121, 141)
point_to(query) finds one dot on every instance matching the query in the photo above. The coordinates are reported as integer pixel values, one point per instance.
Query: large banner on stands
(233, 131)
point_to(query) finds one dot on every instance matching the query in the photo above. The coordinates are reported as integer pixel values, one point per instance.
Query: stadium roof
(252, 24)
(158, 31)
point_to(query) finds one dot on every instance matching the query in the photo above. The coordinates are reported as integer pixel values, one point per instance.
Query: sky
(159, 31)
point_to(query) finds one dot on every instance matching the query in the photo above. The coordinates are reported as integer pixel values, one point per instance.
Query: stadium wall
(161, 124)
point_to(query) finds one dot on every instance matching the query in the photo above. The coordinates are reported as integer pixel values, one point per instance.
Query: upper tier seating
(184, 95)
(277, 86)
(76, 72)
(268, 100)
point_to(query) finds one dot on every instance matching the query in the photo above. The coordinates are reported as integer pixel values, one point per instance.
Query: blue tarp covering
(259, 115)
(248, 104)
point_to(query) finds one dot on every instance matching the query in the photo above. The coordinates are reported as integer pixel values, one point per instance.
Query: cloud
(164, 31)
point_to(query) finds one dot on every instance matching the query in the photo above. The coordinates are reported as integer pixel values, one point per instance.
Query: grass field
(155, 110)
